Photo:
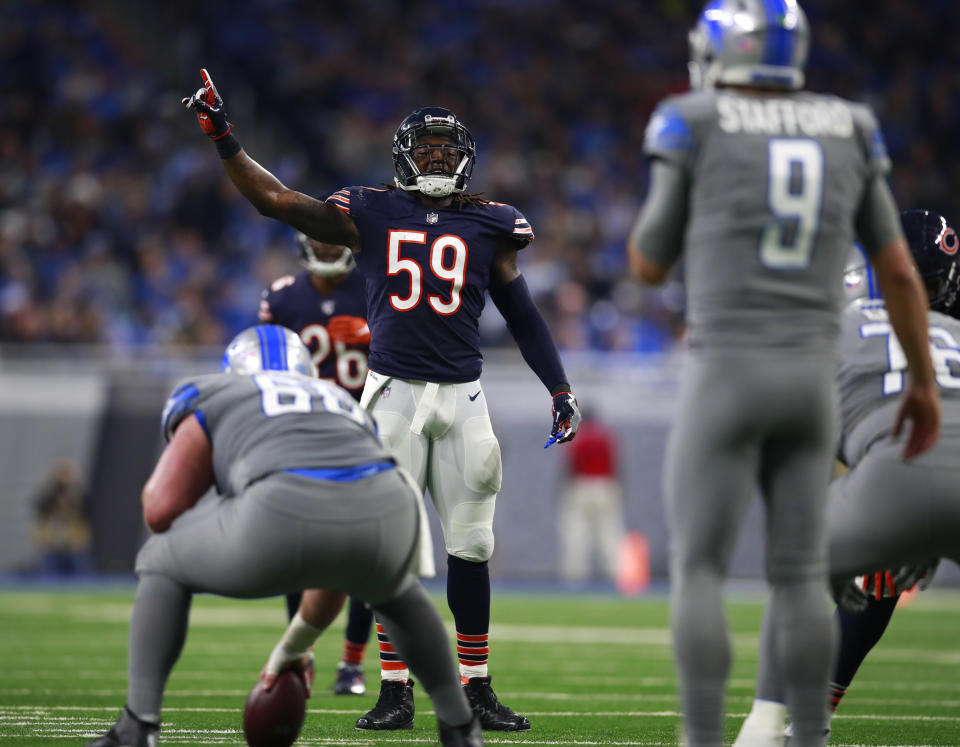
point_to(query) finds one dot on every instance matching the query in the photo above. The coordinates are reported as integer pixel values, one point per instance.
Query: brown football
(274, 719)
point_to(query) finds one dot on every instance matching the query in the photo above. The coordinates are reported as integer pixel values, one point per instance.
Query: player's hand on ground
(280, 660)
(566, 418)
(208, 105)
(352, 330)
(921, 406)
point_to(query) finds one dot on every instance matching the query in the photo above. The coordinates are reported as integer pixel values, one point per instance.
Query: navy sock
(468, 594)
(293, 603)
(359, 620)
(859, 633)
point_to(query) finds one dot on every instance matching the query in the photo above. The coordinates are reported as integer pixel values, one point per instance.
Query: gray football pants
(883, 514)
(751, 423)
(288, 533)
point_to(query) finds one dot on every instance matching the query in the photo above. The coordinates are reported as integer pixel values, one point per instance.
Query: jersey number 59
(453, 273)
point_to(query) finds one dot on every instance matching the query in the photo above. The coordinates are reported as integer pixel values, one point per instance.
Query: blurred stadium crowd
(117, 226)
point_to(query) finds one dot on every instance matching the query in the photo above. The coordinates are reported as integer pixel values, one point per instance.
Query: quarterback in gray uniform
(761, 186)
(884, 512)
(309, 498)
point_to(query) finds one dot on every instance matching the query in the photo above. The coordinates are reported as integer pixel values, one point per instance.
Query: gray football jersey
(872, 374)
(776, 184)
(273, 420)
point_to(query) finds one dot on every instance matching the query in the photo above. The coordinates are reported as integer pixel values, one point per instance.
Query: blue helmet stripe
(779, 41)
(873, 291)
(714, 25)
(273, 348)
(264, 362)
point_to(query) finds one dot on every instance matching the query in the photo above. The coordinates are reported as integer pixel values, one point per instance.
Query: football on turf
(274, 719)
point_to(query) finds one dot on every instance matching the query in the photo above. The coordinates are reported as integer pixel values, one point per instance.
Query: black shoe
(394, 708)
(129, 731)
(493, 715)
(468, 735)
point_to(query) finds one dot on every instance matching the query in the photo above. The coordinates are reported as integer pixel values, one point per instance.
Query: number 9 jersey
(774, 180)
(427, 270)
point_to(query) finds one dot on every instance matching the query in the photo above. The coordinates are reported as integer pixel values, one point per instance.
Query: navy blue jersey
(293, 302)
(427, 270)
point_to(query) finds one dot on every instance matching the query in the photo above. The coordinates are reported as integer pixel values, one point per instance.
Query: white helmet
(762, 43)
(268, 347)
(325, 269)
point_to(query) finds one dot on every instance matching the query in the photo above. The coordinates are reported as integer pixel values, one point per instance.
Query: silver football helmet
(859, 281)
(268, 347)
(343, 264)
(762, 43)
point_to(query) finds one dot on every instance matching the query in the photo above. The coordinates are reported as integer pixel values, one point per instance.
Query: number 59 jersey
(872, 375)
(271, 421)
(427, 270)
(775, 187)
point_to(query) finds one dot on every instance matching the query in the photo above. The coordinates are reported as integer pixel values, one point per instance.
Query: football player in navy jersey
(428, 253)
(326, 306)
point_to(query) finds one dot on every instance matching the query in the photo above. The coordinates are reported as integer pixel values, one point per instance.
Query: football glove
(566, 418)
(915, 575)
(351, 330)
(209, 108)
(848, 595)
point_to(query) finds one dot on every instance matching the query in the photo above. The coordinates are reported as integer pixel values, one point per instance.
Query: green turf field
(585, 670)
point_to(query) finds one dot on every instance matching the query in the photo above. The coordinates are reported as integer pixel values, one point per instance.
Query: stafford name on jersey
(784, 117)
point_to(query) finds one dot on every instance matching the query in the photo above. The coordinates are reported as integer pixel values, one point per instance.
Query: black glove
(566, 418)
(848, 595)
(911, 575)
(209, 107)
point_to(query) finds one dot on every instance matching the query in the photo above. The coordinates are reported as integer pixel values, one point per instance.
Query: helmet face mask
(434, 138)
(268, 347)
(934, 245)
(749, 43)
(325, 268)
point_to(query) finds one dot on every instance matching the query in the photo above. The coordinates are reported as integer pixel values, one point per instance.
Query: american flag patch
(341, 199)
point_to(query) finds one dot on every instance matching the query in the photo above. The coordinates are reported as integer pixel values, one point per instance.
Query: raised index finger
(208, 83)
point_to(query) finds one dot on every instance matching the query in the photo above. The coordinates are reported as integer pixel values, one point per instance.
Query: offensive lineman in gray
(884, 512)
(309, 498)
(761, 186)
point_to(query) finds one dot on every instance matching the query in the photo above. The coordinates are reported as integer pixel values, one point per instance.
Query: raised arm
(265, 192)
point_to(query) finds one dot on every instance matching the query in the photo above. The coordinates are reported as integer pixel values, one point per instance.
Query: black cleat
(467, 735)
(128, 731)
(394, 708)
(493, 715)
(350, 680)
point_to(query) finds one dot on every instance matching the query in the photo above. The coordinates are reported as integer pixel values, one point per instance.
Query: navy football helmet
(859, 282)
(934, 245)
(325, 268)
(762, 43)
(452, 175)
(268, 347)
